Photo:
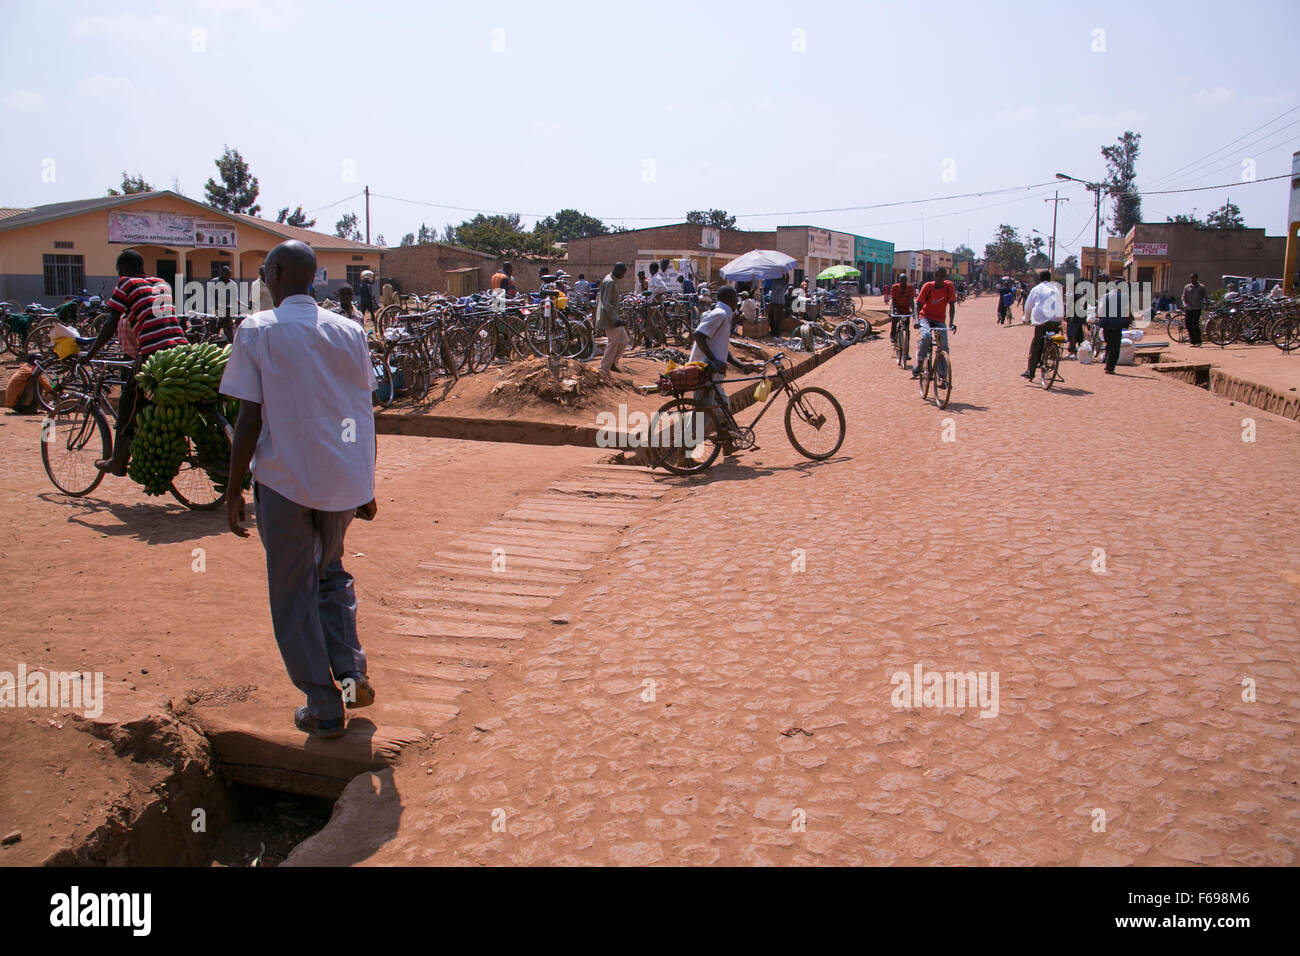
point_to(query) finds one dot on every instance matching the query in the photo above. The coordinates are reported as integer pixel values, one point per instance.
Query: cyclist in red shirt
(934, 296)
(902, 302)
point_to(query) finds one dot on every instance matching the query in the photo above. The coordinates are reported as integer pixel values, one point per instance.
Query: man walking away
(1005, 296)
(609, 321)
(304, 379)
(1194, 295)
(1113, 317)
(1044, 308)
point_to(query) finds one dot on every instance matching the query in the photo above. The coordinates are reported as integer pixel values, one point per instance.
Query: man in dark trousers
(1113, 317)
(1194, 296)
(304, 380)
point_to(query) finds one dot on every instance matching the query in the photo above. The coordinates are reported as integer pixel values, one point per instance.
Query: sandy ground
(1120, 691)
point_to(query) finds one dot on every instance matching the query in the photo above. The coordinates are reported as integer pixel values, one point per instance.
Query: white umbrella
(759, 264)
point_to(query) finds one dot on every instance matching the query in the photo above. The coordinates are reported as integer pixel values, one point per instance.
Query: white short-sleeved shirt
(715, 326)
(311, 372)
(1044, 303)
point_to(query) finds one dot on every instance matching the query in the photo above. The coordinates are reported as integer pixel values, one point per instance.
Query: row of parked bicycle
(1251, 319)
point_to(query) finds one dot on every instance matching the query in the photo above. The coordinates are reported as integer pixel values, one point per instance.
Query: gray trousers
(313, 606)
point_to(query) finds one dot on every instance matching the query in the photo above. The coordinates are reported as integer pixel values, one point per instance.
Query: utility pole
(367, 215)
(1096, 235)
(1056, 200)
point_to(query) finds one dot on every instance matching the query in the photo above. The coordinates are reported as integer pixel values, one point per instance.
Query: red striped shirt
(147, 304)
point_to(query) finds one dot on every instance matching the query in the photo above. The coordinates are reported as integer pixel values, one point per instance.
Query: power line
(1258, 153)
(331, 205)
(1168, 176)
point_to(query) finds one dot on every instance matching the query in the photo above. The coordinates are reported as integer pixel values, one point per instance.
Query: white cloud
(24, 100)
(1215, 97)
(546, 128)
(106, 87)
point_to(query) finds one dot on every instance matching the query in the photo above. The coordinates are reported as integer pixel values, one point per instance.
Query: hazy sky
(638, 112)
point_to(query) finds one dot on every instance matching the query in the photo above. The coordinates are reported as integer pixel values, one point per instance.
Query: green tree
(346, 228)
(716, 218)
(1121, 181)
(238, 190)
(449, 234)
(296, 218)
(408, 239)
(131, 185)
(1070, 266)
(1227, 216)
(427, 235)
(569, 224)
(1007, 250)
(1039, 260)
(963, 252)
(501, 236)
(1187, 218)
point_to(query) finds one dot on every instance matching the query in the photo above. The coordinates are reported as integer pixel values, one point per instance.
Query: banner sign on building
(214, 234)
(841, 245)
(1150, 248)
(819, 243)
(710, 238)
(155, 228)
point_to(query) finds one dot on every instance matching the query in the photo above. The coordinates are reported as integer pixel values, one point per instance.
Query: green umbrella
(839, 272)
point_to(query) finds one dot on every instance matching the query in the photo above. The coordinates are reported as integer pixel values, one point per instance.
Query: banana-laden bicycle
(687, 434)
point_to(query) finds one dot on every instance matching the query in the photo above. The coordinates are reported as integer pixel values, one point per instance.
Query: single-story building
(1165, 254)
(52, 251)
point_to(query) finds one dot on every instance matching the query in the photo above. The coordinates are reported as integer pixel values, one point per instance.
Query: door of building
(166, 271)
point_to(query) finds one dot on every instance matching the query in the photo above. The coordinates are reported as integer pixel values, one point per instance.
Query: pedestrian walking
(776, 306)
(304, 380)
(1114, 317)
(1194, 296)
(367, 301)
(609, 321)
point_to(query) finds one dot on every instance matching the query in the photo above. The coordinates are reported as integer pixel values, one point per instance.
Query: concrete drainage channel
(190, 813)
(1216, 382)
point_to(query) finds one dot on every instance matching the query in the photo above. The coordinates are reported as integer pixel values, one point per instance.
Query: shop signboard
(215, 234)
(153, 228)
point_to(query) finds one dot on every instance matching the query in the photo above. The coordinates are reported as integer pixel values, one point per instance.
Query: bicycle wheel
(814, 423)
(923, 382)
(682, 439)
(483, 346)
(536, 335)
(581, 344)
(68, 446)
(196, 485)
(458, 344)
(408, 370)
(1049, 363)
(1176, 325)
(1221, 329)
(384, 318)
(1286, 333)
(942, 373)
(905, 339)
(385, 380)
(38, 337)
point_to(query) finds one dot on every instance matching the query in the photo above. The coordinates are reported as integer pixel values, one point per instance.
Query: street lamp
(1096, 232)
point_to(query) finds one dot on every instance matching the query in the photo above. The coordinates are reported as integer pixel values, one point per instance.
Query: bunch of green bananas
(184, 375)
(160, 445)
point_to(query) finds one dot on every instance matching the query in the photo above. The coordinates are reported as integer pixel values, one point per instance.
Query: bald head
(290, 270)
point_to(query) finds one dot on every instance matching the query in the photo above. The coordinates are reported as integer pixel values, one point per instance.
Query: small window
(62, 245)
(354, 275)
(358, 258)
(64, 275)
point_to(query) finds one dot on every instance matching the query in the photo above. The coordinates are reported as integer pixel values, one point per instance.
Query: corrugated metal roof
(62, 210)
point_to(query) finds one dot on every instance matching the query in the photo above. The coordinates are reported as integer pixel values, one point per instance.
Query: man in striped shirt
(146, 304)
